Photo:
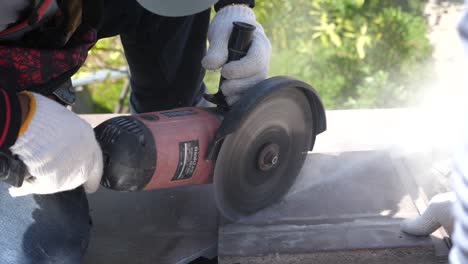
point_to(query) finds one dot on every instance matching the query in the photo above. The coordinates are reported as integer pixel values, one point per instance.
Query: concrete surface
(344, 207)
(165, 226)
(356, 256)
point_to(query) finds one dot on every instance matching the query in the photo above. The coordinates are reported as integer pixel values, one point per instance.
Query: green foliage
(355, 53)
(106, 54)
(106, 95)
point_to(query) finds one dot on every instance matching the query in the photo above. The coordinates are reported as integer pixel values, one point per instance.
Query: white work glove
(58, 148)
(438, 213)
(242, 74)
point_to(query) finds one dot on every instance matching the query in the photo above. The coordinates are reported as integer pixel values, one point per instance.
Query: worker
(450, 210)
(42, 44)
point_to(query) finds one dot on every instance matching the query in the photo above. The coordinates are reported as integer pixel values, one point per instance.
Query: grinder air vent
(129, 153)
(128, 124)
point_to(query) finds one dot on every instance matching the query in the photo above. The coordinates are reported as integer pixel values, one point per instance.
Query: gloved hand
(246, 72)
(58, 148)
(438, 213)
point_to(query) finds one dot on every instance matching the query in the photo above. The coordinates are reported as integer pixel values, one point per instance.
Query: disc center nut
(268, 157)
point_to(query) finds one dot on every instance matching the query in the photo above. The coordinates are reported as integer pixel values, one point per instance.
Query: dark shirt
(20, 69)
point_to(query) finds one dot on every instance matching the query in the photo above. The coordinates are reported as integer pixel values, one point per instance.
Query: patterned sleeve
(459, 251)
(10, 118)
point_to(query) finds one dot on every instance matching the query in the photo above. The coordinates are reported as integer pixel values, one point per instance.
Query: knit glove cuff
(58, 148)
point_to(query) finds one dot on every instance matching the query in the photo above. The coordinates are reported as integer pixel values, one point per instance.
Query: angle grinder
(252, 151)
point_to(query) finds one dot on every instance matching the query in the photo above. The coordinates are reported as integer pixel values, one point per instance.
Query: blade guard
(238, 111)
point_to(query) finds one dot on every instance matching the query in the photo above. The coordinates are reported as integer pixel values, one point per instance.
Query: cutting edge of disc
(223, 206)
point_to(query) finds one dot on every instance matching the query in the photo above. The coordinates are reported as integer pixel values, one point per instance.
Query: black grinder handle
(238, 46)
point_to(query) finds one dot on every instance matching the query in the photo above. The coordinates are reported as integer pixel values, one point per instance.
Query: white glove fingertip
(238, 69)
(214, 60)
(415, 227)
(95, 175)
(91, 186)
(230, 87)
(218, 36)
(25, 189)
(15, 192)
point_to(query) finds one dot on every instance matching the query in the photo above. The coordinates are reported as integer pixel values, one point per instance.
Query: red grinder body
(169, 148)
(259, 146)
(158, 150)
(259, 143)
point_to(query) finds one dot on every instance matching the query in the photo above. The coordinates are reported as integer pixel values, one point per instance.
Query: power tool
(252, 151)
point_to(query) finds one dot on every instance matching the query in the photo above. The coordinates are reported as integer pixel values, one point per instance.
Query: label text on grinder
(189, 152)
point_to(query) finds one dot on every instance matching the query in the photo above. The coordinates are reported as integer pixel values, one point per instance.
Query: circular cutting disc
(258, 163)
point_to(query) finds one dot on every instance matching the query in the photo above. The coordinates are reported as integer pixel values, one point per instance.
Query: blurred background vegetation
(355, 53)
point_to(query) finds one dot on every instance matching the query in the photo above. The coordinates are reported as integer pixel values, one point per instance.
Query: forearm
(223, 3)
(10, 117)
